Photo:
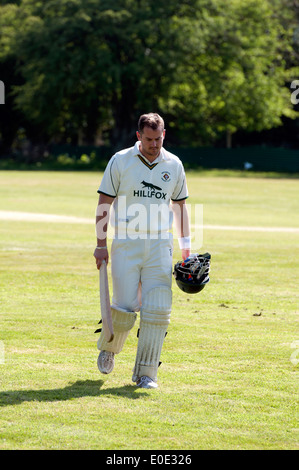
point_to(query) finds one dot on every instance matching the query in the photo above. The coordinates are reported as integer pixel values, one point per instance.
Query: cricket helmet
(192, 274)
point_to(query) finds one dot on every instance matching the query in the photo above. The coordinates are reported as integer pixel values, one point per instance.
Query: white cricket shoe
(106, 362)
(146, 382)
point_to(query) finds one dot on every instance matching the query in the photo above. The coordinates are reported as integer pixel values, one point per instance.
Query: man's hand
(100, 255)
(185, 254)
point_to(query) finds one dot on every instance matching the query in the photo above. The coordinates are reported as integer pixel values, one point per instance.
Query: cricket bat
(105, 303)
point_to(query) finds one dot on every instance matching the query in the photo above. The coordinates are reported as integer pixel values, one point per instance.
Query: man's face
(151, 142)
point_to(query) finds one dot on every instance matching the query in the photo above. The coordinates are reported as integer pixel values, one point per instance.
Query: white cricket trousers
(137, 266)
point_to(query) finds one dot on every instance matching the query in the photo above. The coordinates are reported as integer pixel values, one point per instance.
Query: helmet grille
(194, 270)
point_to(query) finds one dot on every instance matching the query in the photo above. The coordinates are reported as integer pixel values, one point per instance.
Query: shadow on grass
(81, 388)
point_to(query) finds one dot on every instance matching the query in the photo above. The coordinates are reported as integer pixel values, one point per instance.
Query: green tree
(83, 68)
(239, 80)
(89, 65)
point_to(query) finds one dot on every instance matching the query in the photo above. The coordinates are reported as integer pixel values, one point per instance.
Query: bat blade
(105, 304)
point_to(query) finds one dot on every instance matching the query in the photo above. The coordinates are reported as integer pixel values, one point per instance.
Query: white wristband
(101, 247)
(185, 243)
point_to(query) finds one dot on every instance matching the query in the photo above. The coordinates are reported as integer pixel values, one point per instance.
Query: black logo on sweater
(150, 190)
(150, 186)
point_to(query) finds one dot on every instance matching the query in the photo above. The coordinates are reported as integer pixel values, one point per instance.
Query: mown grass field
(229, 373)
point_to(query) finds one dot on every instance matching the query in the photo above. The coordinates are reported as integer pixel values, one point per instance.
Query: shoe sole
(148, 386)
(102, 369)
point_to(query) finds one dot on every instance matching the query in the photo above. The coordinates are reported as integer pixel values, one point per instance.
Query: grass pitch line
(65, 219)
(251, 229)
(36, 217)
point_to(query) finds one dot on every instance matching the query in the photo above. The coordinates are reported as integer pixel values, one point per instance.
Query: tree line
(82, 71)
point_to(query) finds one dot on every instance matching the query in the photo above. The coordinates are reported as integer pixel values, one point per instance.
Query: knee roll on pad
(122, 322)
(154, 320)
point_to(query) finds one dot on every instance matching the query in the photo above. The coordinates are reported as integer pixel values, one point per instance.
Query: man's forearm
(102, 219)
(181, 219)
(101, 229)
(182, 224)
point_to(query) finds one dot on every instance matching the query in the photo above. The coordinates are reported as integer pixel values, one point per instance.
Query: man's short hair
(152, 120)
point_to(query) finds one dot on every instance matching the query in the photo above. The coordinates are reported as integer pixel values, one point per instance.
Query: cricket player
(143, 191)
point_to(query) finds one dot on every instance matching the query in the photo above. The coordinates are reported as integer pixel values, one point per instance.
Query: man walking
(146, 188)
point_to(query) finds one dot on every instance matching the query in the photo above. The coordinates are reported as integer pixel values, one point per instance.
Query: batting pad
(122, 322)
(154, 321)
